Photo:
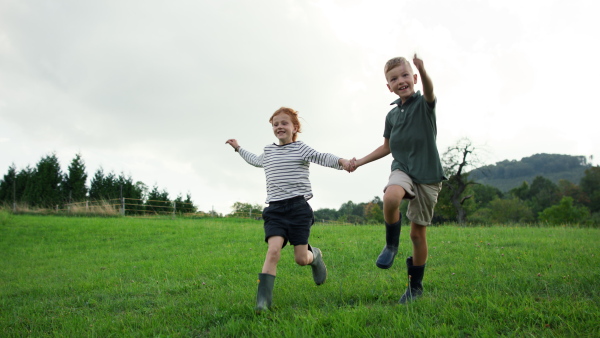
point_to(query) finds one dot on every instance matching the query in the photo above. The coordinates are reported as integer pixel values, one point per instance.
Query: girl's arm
(324, 159)
(249, 157)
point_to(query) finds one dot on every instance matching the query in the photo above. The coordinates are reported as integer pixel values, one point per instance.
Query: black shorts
(290, 219)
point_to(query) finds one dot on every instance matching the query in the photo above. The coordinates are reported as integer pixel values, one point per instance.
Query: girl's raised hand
(233, 142)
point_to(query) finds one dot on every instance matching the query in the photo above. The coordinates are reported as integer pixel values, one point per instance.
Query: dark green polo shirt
(411, 129)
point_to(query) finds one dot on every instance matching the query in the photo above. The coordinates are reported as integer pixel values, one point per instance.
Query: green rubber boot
(392, 241)
(319, 269)
(415, 282)
(264, 295)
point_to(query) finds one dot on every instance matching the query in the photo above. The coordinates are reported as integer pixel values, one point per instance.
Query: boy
(410, 135)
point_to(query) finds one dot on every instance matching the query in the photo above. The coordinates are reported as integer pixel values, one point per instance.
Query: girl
(288, 217)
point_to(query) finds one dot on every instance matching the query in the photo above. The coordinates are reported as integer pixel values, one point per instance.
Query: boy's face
(401, 81)
(283, 128)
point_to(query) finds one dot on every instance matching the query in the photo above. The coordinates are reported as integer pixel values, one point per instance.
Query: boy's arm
(381, 151)
(425, 79)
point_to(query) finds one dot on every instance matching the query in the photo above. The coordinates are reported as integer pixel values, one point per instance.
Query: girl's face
(283, 128)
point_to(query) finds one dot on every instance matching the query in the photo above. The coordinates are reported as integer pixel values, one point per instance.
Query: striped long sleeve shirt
(286, 168)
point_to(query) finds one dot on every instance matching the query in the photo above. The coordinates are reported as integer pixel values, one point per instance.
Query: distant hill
(506, 175)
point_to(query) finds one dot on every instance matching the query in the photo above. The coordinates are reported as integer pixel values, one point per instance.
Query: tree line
(462, 199)
(46, 186)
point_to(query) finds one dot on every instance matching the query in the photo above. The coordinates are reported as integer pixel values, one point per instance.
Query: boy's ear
(415, 77)
(390, 88)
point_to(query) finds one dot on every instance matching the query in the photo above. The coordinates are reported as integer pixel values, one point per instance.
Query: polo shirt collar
(412, 97)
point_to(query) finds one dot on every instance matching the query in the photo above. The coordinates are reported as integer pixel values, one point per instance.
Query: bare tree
(457, 160)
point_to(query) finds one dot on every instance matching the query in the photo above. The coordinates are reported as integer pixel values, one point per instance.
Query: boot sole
(384, 266)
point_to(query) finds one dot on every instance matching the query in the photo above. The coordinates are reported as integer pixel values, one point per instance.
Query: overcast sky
(153, 89)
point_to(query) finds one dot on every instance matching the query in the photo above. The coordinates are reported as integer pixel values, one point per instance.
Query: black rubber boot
(392, 241)
(264, 295)
(415, 282)
(319, 269)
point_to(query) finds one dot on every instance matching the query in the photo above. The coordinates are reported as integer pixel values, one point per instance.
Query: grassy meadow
(162, 277)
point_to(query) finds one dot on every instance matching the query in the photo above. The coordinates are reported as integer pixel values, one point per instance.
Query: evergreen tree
(188, 205)
(23, 177)
(97, 184)
(132, 193)
(8, 185)
(44, 189)
(105, 186)
(158, 202)
(111, 187)
(75, 184)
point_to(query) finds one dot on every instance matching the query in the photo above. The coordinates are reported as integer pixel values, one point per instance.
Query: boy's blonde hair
(293, 115)
(395, 62)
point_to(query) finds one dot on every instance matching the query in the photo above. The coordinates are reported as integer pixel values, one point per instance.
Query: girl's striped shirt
(286, 168)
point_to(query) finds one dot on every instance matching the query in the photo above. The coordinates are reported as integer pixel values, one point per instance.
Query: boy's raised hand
(418, 62)
(425, 80)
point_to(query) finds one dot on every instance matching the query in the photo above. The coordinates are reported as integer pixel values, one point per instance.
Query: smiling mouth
(403, 87)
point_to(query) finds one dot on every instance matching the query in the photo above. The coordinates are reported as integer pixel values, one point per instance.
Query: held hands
(346, 164)
(349, 165)
(353, 164)
(233, 142)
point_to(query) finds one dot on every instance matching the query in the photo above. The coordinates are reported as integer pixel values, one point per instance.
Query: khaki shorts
(422, 197)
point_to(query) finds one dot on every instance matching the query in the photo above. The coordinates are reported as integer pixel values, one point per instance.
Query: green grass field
(103, 277)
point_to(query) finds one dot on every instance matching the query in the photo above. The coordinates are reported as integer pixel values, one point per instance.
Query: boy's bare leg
(273, 255)
(391, 203)
(416, 264)
(419, 240)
